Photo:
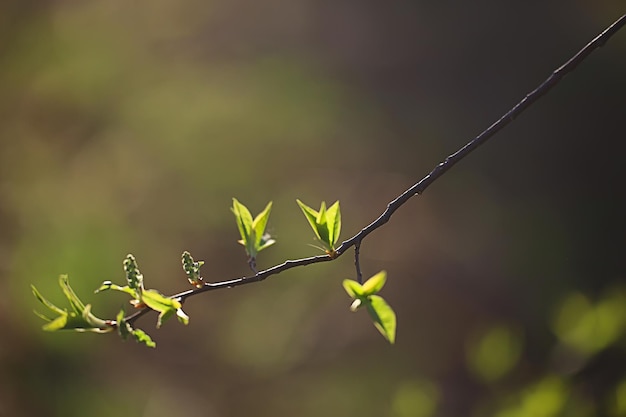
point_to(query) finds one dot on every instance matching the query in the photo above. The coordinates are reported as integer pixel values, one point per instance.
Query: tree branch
(419, 187)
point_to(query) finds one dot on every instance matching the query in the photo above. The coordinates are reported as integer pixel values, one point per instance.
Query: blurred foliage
(128, 127)
(492, 353)
(589, 328)
(415, 398)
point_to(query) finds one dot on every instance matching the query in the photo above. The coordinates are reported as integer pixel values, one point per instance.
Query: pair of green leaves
(383, 316)
(326, 224)
(252, 231)
(165, 306)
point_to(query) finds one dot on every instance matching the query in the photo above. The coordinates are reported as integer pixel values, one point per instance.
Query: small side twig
(357, 262)
(252, 264)
(418, 188)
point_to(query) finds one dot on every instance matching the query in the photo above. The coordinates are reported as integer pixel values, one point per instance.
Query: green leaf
(125, 330)
(259, 224)
(182, 317)
(75, 302)
(311, 215)
(79, 319)
(326, 223)
(321, 214)
(333, 219)
(164, 305)
(383, 316)
(46, 303)
(142, 337)
(374, 284)
(244, 222)
(353, 288)
(159, 302)
(266, 242)
(108, 285)
(253, 235)
(59, 323)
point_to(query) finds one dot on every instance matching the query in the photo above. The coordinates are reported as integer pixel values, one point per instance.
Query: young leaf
(79, 319)
(108, 285)
(253, 235)
(165, 306)
(46, 303)
(259, 224)
(333, 216)
(375, 283)
(142, 337)
(75, 302)
(311, 215)
(323, 227)
(265, 242)
(326, 223)
(383, 316)
(353, 288)
(182, 317)
(244, 222)
(125, 330)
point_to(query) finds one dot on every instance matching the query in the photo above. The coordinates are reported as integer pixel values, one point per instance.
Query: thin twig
(357, 262)
(419, 187)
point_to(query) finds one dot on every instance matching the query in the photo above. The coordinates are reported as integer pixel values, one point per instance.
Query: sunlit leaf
(79, 319)
(159, 302)
(322, 226)
(75, 302)
(59, 323)
(244, 222)
(253, 235)
(166, 306)
(326, 223)
(164, 316)
(311, 215)
(353, 288)
(259, 224)
(375, 283)
(383, 316)
(108, 285)
(321, 214)
(266, 242)
(123, 328)
(182, 317)
(333, 220)
(46, 303)
(142, 337)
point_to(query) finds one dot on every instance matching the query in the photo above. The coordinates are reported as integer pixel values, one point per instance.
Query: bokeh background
(128, 126)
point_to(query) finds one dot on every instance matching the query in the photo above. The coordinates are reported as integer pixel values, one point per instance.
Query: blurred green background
(127, 127)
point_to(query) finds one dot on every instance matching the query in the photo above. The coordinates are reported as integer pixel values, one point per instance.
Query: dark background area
(127, 127)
